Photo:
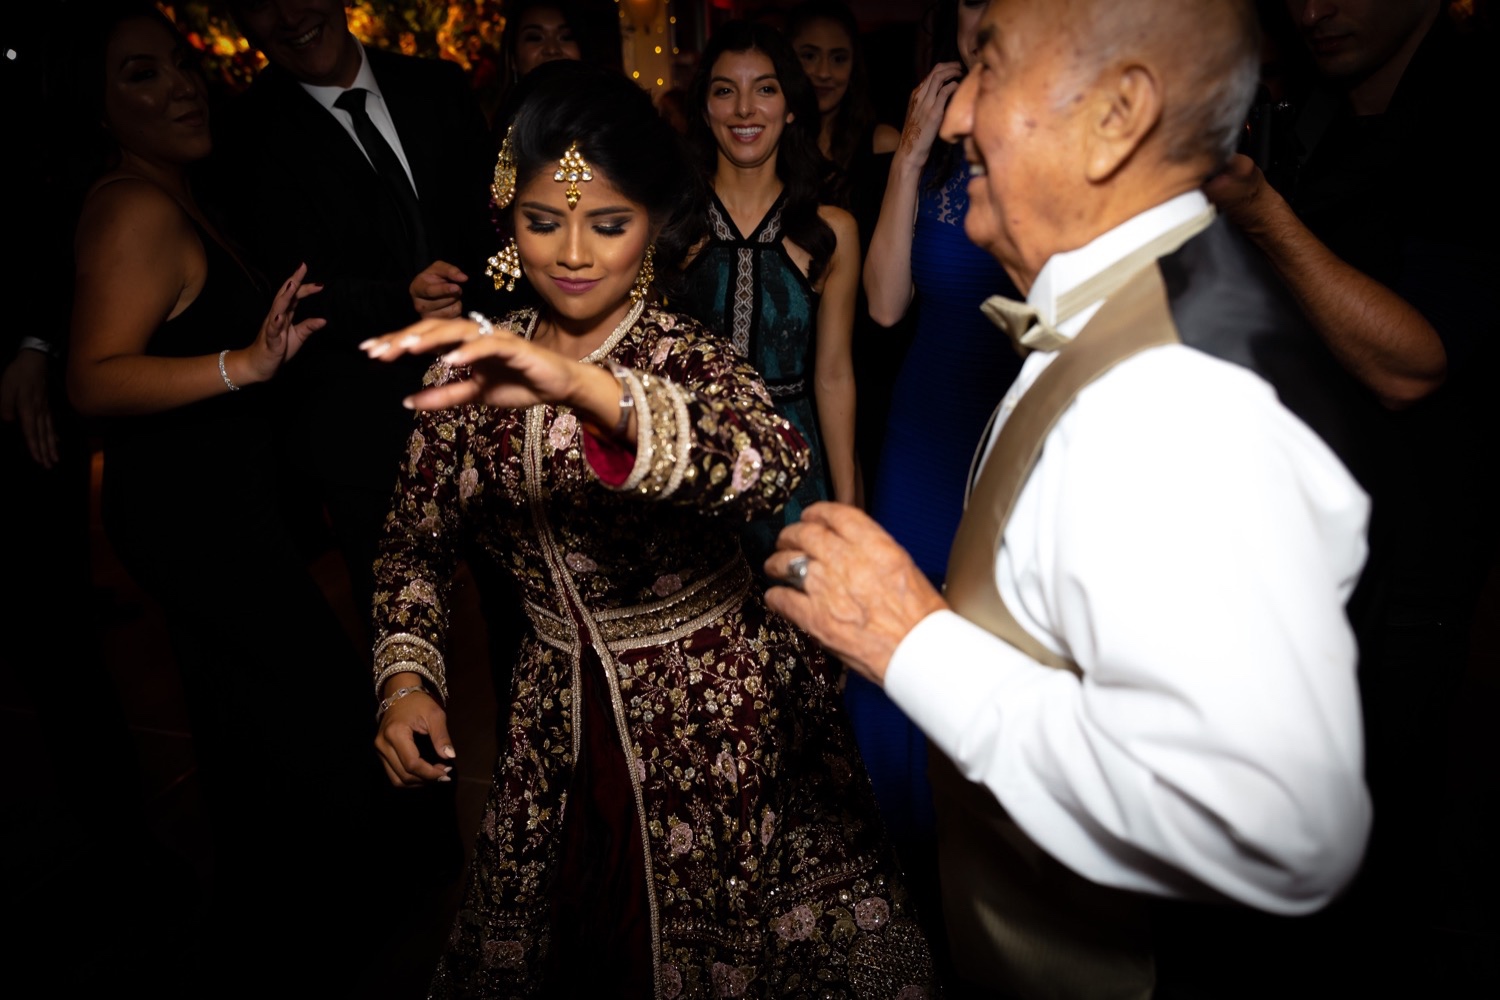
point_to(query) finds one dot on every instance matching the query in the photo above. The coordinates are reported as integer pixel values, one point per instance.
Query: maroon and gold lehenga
(678, 809)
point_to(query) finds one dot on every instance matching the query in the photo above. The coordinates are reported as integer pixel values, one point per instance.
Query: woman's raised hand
(507, 370)
(924, 110)
(281, 336)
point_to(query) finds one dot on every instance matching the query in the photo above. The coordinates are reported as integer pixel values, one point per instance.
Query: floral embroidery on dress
(797, 924)
(671, 981)
(418, 590)
(767, 828)
(871, 914)
(663, 350)
(680, 838)
(505, 954)
(728, 980)
(666, 585)
(414, 447)
(468, 483)
(724, 763)
(580, 563)
(563, 430)
(746, 470)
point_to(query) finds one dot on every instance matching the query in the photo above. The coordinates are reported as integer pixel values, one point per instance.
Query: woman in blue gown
(779, 272)
(951, 379)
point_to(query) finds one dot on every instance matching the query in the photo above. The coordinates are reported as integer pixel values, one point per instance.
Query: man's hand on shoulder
(861, 592)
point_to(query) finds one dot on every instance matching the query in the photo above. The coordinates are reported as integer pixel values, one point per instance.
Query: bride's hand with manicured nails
(395, 739)
(506, 371)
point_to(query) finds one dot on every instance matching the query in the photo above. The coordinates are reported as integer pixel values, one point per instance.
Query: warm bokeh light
(466, 32)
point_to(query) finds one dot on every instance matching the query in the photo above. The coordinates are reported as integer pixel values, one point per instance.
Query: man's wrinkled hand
(861, 593)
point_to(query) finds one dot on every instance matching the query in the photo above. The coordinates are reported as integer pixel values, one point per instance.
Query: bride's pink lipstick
(575, 286)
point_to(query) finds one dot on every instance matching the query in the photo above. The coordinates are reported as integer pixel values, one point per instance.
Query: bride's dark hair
(621, 134)
(799, 164)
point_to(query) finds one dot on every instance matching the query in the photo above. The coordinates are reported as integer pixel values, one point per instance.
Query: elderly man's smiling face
(1020, 114)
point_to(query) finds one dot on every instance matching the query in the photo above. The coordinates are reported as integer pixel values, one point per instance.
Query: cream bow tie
(1023, 324)
(1028, 332)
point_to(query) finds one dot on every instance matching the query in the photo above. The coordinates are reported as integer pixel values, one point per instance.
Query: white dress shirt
(375, 107)
(1190, 544)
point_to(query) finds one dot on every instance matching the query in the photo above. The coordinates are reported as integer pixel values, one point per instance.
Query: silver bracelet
(486, 328)
(396, 696)
(627, 398)
(224, 374)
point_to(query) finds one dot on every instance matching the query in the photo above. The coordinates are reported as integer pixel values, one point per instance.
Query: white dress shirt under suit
(1190, 544)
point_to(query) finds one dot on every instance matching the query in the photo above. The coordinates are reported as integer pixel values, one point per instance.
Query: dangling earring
(642, 286)
(505, 266)
(503, 186)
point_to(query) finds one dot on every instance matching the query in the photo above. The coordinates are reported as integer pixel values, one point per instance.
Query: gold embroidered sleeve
(708, 434)
(417, 558)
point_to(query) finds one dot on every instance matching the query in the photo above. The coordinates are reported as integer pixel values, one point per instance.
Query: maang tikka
(573, 168)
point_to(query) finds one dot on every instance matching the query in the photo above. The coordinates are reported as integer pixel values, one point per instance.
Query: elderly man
(1140, 680)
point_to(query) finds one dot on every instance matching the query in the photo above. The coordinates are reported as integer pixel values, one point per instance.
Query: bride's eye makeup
(539, 224)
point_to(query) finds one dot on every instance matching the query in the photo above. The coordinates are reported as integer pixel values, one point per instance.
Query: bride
(678, 808)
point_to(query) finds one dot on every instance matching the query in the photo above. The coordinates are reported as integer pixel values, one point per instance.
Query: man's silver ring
(796, 572)
(486, 328)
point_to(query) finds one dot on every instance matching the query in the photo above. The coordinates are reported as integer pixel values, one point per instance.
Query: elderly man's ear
(1127, 109)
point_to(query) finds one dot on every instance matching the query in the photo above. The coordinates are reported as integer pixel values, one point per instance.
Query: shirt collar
(364, 79)
(1068, 270)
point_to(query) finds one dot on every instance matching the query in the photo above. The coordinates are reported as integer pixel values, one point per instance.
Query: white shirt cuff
(947, 673)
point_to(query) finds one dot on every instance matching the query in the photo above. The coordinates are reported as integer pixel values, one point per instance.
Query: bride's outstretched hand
(506, 370)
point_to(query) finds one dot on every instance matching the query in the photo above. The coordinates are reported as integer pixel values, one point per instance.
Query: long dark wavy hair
(799, 164)
(855, 112)
(621, 134)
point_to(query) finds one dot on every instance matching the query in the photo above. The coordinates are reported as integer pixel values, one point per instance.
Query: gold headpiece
(503, 187)
(573, 168)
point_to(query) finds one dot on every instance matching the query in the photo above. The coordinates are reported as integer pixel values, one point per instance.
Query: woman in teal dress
(778, 273)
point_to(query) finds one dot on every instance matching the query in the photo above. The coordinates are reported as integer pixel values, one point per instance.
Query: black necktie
(388, 165)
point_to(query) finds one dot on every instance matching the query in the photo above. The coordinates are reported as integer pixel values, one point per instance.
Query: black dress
(277, 700)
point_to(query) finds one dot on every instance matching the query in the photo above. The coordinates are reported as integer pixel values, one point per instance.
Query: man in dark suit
(372, 167)
(305, 189)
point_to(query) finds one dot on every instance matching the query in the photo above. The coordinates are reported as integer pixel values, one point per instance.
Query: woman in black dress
(172, 346)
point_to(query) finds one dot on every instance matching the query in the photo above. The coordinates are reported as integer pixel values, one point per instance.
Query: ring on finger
(796, 571)
(486, 328)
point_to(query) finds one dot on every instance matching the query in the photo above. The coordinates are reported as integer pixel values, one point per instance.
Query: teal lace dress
(749, 291)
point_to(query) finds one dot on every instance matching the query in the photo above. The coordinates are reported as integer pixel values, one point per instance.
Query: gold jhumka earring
(505, 266)
(573, 168)
(642, 286)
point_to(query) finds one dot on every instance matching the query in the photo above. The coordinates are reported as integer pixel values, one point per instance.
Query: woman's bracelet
(627, 399)
(224, 374)
(396, 696)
